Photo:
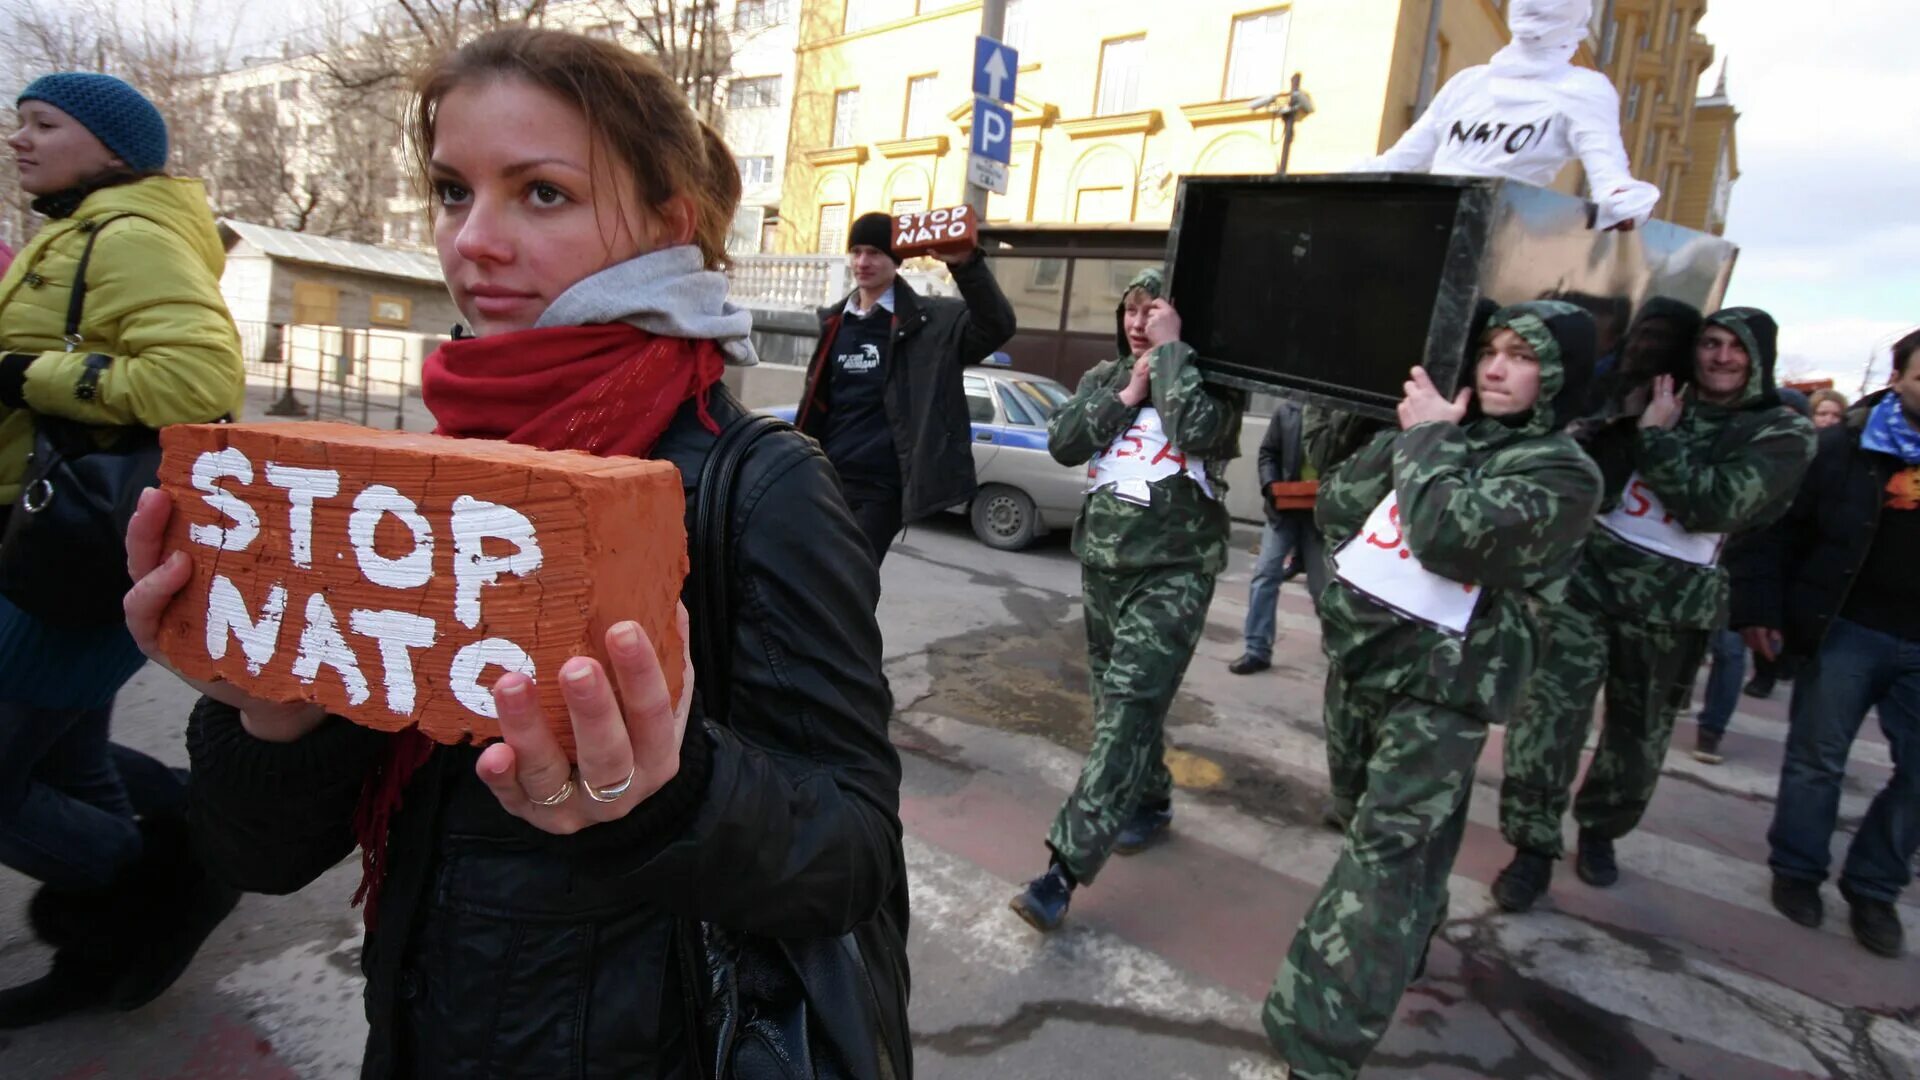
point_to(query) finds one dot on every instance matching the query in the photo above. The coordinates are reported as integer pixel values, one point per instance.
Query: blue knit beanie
(117, 114)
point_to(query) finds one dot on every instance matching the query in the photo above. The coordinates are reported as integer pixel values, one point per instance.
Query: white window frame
(923, 116)
(846, 116)
(833, 239)
(1256, 65)
(1120, 93)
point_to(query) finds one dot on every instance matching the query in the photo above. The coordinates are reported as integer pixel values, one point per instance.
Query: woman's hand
(1664, 410)
(626, 753)
(154, 584)
(1140, 385)
(1423, 402)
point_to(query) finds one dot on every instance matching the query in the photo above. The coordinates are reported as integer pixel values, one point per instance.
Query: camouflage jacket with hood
(1500, 503)
(1183, 526)
(1722, 469)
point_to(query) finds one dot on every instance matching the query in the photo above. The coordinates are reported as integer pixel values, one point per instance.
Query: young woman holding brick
(524, 918)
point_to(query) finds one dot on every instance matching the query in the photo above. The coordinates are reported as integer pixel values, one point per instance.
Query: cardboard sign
(1379, 565)
(952, 231)
(393, 578)
(1642, 520)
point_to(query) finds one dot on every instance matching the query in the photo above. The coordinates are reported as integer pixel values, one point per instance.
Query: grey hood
(669, 292)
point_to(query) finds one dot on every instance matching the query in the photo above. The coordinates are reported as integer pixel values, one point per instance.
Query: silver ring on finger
(613, 792)
(558, 797)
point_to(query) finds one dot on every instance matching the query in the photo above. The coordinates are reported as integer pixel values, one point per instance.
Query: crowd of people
(1578, 516)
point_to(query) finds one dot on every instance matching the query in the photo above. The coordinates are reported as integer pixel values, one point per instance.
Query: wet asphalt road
(1681, 970)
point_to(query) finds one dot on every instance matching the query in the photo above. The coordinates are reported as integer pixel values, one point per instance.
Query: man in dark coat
(884, 393)
(1833, 584)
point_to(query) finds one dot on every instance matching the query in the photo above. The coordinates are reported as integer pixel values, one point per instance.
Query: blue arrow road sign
(992, 131)
(995, 67)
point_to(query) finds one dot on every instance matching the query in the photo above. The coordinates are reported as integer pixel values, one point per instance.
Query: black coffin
(1330, 287)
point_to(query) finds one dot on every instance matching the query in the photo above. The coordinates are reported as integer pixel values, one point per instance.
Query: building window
(860, 15)
(1121, 65)
(923, 114)
(907, 206)
(755, 93)
(759, 14)
(1015, 33)
(1673, 28)
(833, 229)
(1609, 42)
(846, 116)
(385, 309)
(290, 90)
(1257, 58)
(756, 170)
(1633, 102)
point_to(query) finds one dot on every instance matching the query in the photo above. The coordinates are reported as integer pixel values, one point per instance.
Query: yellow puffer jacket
(152, 303)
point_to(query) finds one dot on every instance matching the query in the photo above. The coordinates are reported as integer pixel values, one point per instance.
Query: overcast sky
(1827, 208)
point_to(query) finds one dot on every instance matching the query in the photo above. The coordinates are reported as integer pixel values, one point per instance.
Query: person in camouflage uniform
(1482, 492)
(1691, 469)
(1151, 535)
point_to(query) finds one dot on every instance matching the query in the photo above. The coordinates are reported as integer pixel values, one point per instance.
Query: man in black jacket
(884, 393)
(1834, 583)
(1289, 539)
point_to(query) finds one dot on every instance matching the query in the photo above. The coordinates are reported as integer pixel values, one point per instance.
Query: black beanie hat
(874, 230)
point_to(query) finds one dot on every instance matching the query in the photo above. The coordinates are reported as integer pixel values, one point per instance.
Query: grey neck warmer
(669, 292)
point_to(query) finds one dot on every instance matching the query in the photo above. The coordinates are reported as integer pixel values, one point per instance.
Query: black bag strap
(77, 296)
(711, 609)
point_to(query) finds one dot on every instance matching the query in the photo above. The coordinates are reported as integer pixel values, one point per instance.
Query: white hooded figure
(1525, 113)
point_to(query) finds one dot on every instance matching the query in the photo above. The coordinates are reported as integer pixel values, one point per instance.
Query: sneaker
(1875, 923)
(1595, 863)
(1148, 824)
(1523, 881)
(1249, 664)
(1706, 747)
(1044, 902)
(1799, 900)
(1760, 686)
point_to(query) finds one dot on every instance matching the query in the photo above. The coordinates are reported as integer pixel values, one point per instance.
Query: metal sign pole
(993, 23)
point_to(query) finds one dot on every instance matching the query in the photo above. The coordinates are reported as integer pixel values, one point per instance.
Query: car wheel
(1005, 518)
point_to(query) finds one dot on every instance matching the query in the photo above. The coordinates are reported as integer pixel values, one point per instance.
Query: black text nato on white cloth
(1525, 114)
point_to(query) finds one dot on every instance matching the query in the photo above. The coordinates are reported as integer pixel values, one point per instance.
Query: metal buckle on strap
(38, 496)
(72, 340)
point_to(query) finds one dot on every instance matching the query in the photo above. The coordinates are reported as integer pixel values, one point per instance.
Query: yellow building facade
(1118, 99)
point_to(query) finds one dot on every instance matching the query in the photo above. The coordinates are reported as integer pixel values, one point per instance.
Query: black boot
(1524, 880)
(80, 979)
(1876, 923)
(1595, 863)
(169, 908)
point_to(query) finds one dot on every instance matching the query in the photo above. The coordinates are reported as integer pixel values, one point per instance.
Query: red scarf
(607, 389)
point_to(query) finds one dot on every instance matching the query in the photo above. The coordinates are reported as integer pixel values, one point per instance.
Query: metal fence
(366, 377)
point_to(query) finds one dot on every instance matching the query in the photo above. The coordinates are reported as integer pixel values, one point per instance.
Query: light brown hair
(634, 110)
(1814, 399)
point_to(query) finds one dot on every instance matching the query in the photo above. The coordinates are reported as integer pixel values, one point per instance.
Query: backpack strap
(711, 545)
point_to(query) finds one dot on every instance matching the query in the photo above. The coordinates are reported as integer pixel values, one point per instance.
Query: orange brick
(393, 578)
(952, 231)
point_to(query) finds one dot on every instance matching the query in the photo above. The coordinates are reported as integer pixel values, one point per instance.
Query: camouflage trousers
(1357, 948)
(1142, 627)
(1349, 742)
(1647, 671)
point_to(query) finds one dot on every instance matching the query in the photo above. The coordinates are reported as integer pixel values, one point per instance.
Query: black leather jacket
(935, 339)
(503, 951)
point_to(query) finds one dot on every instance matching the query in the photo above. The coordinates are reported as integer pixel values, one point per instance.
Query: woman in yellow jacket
(124, 902)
